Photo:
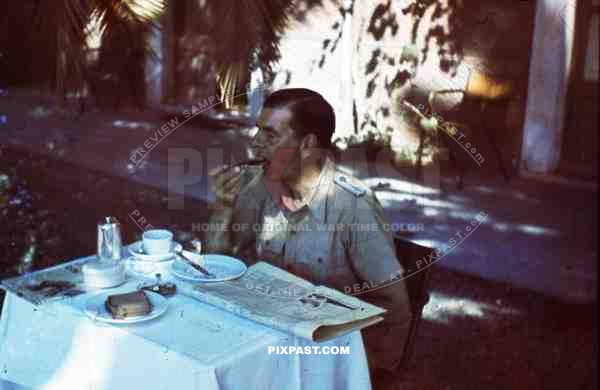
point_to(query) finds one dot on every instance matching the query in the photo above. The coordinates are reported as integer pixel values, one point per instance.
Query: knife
(197, 267)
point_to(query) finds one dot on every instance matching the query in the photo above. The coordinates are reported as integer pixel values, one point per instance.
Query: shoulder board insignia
(343, 182)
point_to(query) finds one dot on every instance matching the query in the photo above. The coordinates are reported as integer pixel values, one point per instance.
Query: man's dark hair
(311, 113)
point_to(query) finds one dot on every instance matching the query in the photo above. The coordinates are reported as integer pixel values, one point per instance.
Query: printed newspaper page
(276, 298)
(49, 284)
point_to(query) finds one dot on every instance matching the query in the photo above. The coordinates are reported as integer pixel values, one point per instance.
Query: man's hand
(226, 183)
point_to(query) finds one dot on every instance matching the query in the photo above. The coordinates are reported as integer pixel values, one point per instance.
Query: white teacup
(157, 241)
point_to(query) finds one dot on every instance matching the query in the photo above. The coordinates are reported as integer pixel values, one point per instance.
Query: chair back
(483, 86)
(414, 259)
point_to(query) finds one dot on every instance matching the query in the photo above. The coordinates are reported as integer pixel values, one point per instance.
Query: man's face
(276, 141)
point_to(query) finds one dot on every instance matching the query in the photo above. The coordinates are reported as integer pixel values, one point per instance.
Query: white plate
(221, 267)
(136, 250)
(95, 309)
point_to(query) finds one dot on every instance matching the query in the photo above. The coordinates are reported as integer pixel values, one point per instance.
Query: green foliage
(18, 225)
(64, 26)
(246, 32)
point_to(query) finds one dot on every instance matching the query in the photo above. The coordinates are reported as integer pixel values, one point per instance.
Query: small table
(54, 345)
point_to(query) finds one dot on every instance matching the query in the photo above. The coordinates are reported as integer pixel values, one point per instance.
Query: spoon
(197, 244)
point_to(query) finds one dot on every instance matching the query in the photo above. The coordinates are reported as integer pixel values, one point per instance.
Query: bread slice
(130, 304)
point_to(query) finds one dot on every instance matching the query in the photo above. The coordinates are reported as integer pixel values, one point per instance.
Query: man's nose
(256, 148)
(257, 143)
(259, 140)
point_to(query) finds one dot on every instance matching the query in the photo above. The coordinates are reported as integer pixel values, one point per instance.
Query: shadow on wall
(405, 49)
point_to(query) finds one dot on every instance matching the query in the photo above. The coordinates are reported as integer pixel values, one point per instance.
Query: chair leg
(414, 326)
(419, 164)
(498, 154)
(460, 180)
(408, 347)
(455, 163)
(492, 140)
(459, 167)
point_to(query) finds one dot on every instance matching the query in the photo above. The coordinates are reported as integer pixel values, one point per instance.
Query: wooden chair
(409, 254)
(480, 93)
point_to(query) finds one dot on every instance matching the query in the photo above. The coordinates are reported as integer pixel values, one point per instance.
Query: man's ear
(309, 141)
(307, 145)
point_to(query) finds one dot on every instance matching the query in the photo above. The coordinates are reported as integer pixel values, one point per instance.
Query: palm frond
(126, 24)
(142, 11)
(246, 29)
(66, 25)
(62, 24)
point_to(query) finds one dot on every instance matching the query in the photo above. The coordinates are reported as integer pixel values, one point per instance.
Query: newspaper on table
(273, 297)
(68, 276)
(264, 294)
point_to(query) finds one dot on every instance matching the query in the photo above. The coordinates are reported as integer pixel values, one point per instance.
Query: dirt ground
(483, 335)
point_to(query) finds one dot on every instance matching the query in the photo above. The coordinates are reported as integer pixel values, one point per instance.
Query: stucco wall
(361, 61)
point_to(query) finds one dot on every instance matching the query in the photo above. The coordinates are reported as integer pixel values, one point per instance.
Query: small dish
(103, 274)
(139, 267)
(137, 250)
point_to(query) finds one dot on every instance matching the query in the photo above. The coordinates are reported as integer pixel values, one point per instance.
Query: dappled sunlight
(497, 225)
(133, 169)
(532, 230)
(485, 189)
(441, 308)
(519, 195)
(442, 228)
(458, 198)
(133, 124)
(388, 199)
(430, 212)
(501, 227)
(435, 243)
(536, 230)
(88, 97)
(464, 215)
(449, 212)
(398, 185)
(507, 192)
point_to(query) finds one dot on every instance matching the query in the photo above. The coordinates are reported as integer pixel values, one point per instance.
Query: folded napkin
(130, 304)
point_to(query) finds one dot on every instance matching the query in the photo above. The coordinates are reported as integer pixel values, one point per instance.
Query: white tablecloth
(192, 346)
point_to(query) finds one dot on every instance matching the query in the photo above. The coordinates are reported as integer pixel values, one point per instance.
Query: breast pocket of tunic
(315, 253)
(271, 248)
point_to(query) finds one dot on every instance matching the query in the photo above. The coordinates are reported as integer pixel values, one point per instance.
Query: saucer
(136, 249)
(137, 267)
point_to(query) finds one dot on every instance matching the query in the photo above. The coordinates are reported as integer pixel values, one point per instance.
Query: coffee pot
(109, 239)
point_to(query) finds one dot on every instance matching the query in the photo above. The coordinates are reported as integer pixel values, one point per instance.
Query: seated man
(313, 227)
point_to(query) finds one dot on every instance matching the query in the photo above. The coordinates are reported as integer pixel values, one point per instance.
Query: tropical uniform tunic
(338, 239)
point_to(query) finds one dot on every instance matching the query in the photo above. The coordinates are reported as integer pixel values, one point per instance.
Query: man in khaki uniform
(315, 222)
